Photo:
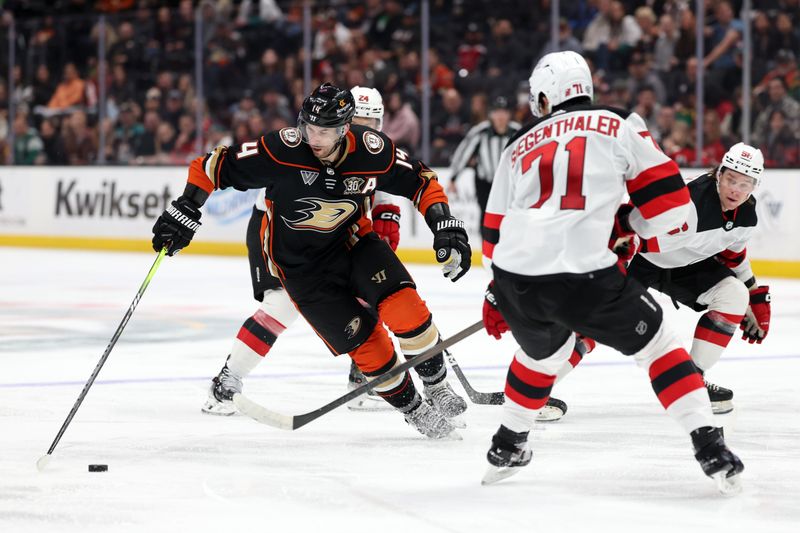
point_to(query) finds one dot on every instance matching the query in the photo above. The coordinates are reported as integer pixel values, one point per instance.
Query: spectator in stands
(127, 136)
(648, 108)
(401, 123)
(70, 92)
(271, 76)
(471, 51)
(787, 37)
(184, 148)
(145, 150)
(646, 19)
(782, 146)
(665, 121)
(451, 123)
(641, 75)
(80, 141)
(664, 59)
(165, 142)
(724, 35)
(245, 108)
(764, 44)
(27, 143)
(173, 108)
(714, 146)
(611, 36)
(566, 40)
(121, 88)
(43, 86)
(686, 45)
(441, 76)
(780, 101)
(678, 145)
(786, 69)
(53, 151)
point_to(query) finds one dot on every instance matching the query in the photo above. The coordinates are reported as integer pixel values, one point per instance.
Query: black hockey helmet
(328, 107)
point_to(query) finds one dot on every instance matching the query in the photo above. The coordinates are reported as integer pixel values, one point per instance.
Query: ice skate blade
(498, 473)
(218, 409)
(721, 408)
(729, 486)
(549, 414)
(458, 421)
(369, 403)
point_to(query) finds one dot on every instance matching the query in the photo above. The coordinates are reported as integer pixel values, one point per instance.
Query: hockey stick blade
(480, 398)
(261, 414)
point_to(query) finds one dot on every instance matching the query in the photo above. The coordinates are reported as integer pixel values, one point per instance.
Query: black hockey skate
(220, 394)
(716, 459)
(426, 419)
(509, 453)
(366, 402)
(721, 398)
(447, 402)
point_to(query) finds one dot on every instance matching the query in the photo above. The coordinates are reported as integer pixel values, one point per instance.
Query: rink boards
(114, 208)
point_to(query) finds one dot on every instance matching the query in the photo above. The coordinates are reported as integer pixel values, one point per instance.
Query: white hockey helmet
(369, 103)
(745, 159)
(560, 76)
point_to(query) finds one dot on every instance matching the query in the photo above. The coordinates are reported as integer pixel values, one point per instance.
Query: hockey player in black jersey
(319, 179)
(703, 264)
(276, 312)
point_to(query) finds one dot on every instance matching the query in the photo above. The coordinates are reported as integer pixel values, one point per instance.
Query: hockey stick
(480, 398)
(43, 460)
(288, 422)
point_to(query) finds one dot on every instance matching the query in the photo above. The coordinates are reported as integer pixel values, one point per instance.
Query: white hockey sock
(676, 382)
(528, 386)
(727, 302)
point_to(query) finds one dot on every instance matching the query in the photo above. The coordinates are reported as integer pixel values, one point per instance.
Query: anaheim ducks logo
(290, 137)
(321, 215)
(373, 142)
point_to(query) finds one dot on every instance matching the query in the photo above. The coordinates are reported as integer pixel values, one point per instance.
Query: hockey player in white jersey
(549, 216)
(703, 263)
(276, 312)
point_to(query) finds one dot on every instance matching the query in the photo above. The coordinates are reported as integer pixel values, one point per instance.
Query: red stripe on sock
(575, 358)
(667, 361)
(253, 342)
(680, 388)
(733, 319)
(524, 401)
(531, 377)
(714, 337)
(268, 322)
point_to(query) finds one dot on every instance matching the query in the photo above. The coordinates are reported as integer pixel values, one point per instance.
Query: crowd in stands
(642, 54)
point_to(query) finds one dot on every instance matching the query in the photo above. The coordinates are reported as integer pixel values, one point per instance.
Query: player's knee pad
(407, 316)
(664, 341)
(552, 363)
(729, 297)
(375, 355)
(277, 310)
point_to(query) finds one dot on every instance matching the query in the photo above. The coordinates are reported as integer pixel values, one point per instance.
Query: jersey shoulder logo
(323, 216)
(290, 137)
(373, 142)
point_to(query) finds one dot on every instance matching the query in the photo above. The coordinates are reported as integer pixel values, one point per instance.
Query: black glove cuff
(185, 212)
(623, 213)
(435, 213)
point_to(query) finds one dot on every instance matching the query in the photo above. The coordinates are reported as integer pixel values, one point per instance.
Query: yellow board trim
(761, 267)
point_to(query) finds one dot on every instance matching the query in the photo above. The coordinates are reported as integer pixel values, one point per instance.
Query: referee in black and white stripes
(481, 149)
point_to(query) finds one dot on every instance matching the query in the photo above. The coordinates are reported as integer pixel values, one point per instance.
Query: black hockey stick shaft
(261, 414)
(480, 398)
(110, 346)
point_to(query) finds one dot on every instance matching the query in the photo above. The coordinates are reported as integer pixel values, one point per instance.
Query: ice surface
(616, 462)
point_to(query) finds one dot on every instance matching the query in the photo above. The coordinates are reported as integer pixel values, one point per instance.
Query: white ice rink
(615, 463)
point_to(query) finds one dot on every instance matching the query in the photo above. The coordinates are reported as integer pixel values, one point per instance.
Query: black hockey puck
(98, 468)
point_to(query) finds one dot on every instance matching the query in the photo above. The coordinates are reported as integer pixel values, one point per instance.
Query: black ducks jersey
(314, 209)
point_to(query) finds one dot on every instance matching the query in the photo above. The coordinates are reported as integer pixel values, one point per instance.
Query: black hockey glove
(176, 226)
(450, 241)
